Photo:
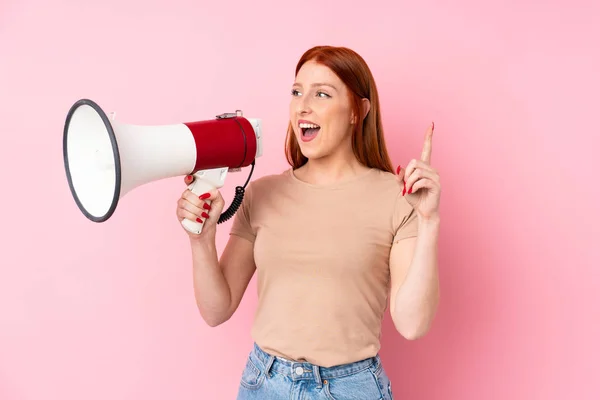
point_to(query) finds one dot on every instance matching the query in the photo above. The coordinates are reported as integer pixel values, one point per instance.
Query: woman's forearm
(211, 290)
(417, 298)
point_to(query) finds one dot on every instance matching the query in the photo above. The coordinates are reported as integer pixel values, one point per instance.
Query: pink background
(93, 312)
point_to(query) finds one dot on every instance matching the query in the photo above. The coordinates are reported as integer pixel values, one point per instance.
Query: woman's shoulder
(270, 182)
(386, 182)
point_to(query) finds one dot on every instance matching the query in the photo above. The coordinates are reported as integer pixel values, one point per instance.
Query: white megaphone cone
(105, 159)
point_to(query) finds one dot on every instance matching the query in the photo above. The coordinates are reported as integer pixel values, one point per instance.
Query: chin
(308, 150)
(312, 154)
(314, 150)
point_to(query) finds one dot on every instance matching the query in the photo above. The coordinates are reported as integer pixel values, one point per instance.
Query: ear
(365, 105)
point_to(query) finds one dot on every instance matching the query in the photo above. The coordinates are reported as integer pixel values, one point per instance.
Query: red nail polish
(206, 206)
(205, 215)
(205, 196)
(398, 169)
(404, 191)
(198, 220)
(410, 191)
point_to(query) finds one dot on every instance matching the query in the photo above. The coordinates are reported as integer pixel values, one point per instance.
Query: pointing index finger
(426, 154)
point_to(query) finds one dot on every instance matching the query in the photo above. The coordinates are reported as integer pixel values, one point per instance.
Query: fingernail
(198, 220)
(398, 169)
(205, 196)
(410, 191)
(432, 126)
(206, 206)
(205, 215)
(404, 191)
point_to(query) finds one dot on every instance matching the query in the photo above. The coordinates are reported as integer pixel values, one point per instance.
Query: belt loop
(377, 362)
(269, 364)
(317, 375)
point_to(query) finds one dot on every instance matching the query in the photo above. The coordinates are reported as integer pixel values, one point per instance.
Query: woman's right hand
(195, 208)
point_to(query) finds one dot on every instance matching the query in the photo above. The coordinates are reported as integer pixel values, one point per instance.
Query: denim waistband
(308, 371)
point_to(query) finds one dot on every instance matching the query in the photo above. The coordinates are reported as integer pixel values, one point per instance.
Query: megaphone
(105, 159)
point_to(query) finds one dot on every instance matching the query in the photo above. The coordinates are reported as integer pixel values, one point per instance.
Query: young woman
(333, 239)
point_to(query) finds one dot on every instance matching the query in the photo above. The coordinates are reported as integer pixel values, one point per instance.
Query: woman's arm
(414, 261)
(414, 293)
(219, 285)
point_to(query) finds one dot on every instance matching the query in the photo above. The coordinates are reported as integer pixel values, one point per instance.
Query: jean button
(299, 370)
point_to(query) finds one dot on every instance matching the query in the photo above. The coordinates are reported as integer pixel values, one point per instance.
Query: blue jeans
(266, 377)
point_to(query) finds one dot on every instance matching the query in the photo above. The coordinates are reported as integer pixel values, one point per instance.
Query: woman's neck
(330, 169)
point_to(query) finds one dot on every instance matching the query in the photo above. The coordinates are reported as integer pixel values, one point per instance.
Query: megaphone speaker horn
(105, 159)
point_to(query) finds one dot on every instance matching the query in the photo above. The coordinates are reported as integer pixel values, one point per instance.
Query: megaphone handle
(204, 182)
(197, 187)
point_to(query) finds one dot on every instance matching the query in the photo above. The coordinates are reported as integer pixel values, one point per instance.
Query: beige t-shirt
(322, 257)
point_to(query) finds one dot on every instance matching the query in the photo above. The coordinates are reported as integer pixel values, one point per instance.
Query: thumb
(400, 178)
(188, 179)
(400, 173)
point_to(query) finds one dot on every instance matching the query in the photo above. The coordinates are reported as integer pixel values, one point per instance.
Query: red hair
(368, 143)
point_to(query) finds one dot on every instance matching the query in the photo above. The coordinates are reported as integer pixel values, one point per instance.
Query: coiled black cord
(237, 200)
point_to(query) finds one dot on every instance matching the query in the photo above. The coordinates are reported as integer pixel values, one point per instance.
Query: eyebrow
(318, 84)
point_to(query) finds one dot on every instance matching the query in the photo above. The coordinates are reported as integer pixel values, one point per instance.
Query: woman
(332, 239)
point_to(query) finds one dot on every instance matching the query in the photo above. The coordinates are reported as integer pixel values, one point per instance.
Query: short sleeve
(242, 220)
(405, 220)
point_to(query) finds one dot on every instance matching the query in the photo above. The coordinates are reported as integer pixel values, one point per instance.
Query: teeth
(308, 126)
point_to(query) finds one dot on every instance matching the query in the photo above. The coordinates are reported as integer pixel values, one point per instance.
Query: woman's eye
(295, 92)
(322, 94)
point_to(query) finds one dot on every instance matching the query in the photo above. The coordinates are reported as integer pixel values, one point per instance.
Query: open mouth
(309, 131)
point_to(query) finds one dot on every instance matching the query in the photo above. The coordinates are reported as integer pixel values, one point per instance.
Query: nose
(302, 106)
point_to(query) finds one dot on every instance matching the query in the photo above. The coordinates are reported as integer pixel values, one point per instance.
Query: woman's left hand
(421, 182)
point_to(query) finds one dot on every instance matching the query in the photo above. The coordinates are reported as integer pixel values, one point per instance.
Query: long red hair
(368, 142)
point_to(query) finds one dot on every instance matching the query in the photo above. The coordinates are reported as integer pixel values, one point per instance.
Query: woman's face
(320, 111)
